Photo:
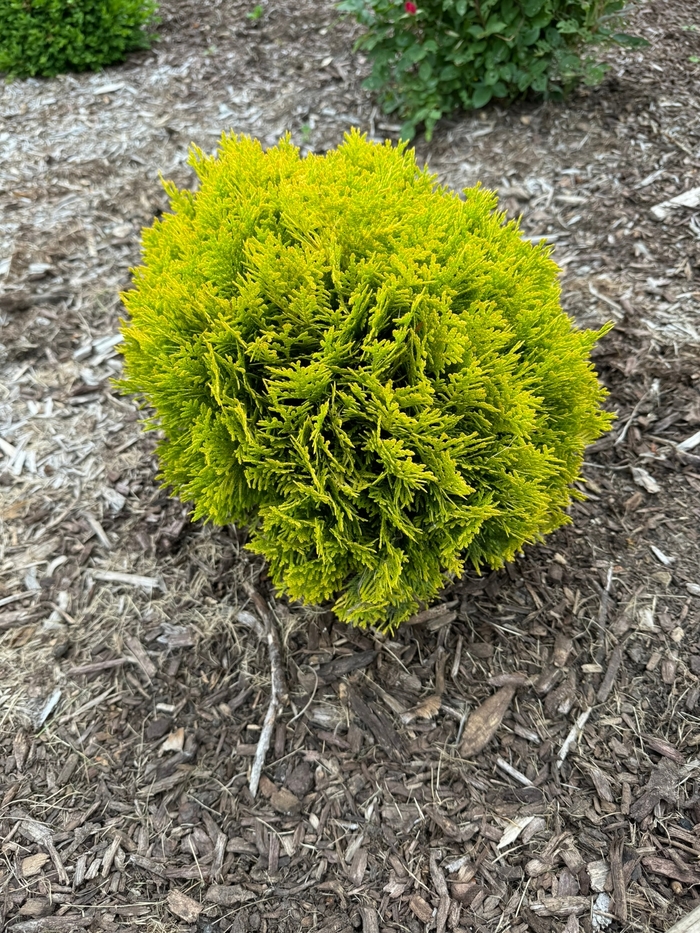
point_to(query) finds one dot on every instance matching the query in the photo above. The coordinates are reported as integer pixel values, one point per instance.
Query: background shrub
(49, 37)
(434, 56)
(371, 372)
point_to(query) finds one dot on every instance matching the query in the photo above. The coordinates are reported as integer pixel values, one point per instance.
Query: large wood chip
(33, 864)
(602, 784)
(149, 864)
(166, 783)
(448, 826)
(669, 869)
(341, 666)
(381, 726)
(183, 906)
(426, 709)
(561, 906)
(484, 722)
(434, 612)
(421, 909)
(610, 675)
(139, 652)
(663, 785)
(228, 895)
(284, 801)
(53, 924)
(370, 920)
(662, 747)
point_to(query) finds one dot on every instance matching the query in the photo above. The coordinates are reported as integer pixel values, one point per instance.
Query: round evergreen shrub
(372, 373)
(50, 37)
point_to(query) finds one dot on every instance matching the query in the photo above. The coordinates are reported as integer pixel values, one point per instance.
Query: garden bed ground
(130, 709)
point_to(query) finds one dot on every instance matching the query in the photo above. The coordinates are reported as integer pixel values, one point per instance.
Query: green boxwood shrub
(371, 372)
(431, 57)
(50, 37)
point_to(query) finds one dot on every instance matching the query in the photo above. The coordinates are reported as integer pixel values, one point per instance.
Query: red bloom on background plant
(410, 7)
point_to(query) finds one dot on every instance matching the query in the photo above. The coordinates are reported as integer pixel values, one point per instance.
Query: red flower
(410, 7)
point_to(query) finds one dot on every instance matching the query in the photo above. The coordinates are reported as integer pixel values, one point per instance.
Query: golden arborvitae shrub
(372, 373)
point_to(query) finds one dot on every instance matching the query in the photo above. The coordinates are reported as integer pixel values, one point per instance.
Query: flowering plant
(435, 56)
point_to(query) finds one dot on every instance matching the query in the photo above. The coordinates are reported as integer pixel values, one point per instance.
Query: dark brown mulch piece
(333, 670)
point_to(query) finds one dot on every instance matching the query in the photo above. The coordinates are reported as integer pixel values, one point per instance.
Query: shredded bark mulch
(525, 755)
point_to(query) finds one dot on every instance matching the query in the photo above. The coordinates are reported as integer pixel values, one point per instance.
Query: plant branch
(279, 693)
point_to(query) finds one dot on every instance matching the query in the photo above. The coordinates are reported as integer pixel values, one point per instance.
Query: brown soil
(131, 708)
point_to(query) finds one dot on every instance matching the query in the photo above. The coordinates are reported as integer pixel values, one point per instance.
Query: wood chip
(598, 873)
(513, 772)
(166, 783)
(618, 881)
(512, 832)
(662, 785)
(432, 613)
(602, 784)
(662, 747)
(128, 579)
(644, 479)
(669, 869)
(33, 864)
(573, 736)
(420, 908)
(183, 906)
(339, 667)
(484, 722)
(560, 906)
(139, 652)
(426, 709)
(689, 199)
(448, 826)
(370, 920)
(562, 649)
(611, 673)
(284, 801)
(174, 742)
(228, 895)
(380, 725)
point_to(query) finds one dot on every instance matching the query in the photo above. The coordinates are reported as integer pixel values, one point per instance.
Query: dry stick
(623, 433)
(603, 616)
(278, 693)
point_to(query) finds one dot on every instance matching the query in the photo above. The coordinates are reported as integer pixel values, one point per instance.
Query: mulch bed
(132, 689)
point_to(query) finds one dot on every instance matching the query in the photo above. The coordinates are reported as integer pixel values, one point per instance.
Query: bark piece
(663, 785)
(561, 906)
(669, 869)
(484, 722)
(183, 906)
(284, 801)
(381, 727)
(228, 895)
(421, 909)
(341, 666)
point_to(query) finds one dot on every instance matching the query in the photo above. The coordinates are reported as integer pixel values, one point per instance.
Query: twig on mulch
(603, 616)
(628, 424)
(279, 692)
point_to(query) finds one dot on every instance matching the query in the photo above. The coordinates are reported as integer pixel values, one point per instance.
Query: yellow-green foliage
(372, 373)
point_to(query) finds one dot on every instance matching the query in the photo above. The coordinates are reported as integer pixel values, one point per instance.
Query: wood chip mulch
(525, 755)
